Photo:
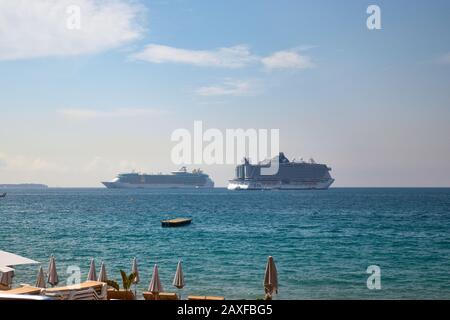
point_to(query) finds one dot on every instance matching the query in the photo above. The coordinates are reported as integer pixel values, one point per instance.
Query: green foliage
(113, 284)
(127, 281)
(131, 278)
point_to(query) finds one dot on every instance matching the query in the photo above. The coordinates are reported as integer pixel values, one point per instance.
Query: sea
(341, 243)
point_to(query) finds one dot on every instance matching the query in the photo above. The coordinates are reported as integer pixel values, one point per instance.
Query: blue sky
(77, 108)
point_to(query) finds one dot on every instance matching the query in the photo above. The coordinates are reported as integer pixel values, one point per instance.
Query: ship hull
(252, 185)
(122, 185)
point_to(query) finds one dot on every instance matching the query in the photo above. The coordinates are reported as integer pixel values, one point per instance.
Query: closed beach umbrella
(155, 285)
(52, 273)
(134, 269)
(92, 275)
(270, 278)
(6, 275)
(40, 280)
(178, 280)
(102, 277)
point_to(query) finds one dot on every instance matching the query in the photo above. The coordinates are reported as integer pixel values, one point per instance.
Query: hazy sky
(78, 106)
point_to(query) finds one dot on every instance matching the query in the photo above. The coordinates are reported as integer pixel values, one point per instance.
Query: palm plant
(127, 281)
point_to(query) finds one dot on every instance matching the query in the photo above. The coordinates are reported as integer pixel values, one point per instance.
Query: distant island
(23, 186)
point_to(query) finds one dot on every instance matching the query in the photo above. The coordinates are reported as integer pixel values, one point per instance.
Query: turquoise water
(322, 241)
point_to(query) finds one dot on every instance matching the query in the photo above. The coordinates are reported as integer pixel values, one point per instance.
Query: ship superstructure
(291, 175)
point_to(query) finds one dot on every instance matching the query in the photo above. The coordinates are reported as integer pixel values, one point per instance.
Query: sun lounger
(85, 294)
(24, 290)
(89, 290)
(160, 296)
(4, 288)
(96, 285)
(205, 298)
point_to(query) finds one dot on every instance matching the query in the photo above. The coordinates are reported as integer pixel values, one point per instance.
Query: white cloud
(287, 60)
(228, 88)
(116, 113)
(31, 164)
(110, 167)
(231, 57)
(38, 28)
(40, 164)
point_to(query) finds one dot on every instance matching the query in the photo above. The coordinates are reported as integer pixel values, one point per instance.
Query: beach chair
(160, 296)
(28, 290)
(4, 288)
(103, 294)
(81, 294)
(205, 298)
(89, 294)
(89, 290)
(86, 294)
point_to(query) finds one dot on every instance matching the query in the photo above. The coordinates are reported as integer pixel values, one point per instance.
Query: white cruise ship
(291, 175)
(176, 179)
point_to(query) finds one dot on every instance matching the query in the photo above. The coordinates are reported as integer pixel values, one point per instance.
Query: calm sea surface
(322, 241)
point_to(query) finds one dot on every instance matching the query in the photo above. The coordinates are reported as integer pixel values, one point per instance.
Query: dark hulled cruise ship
(176, 179)
(291, 175)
